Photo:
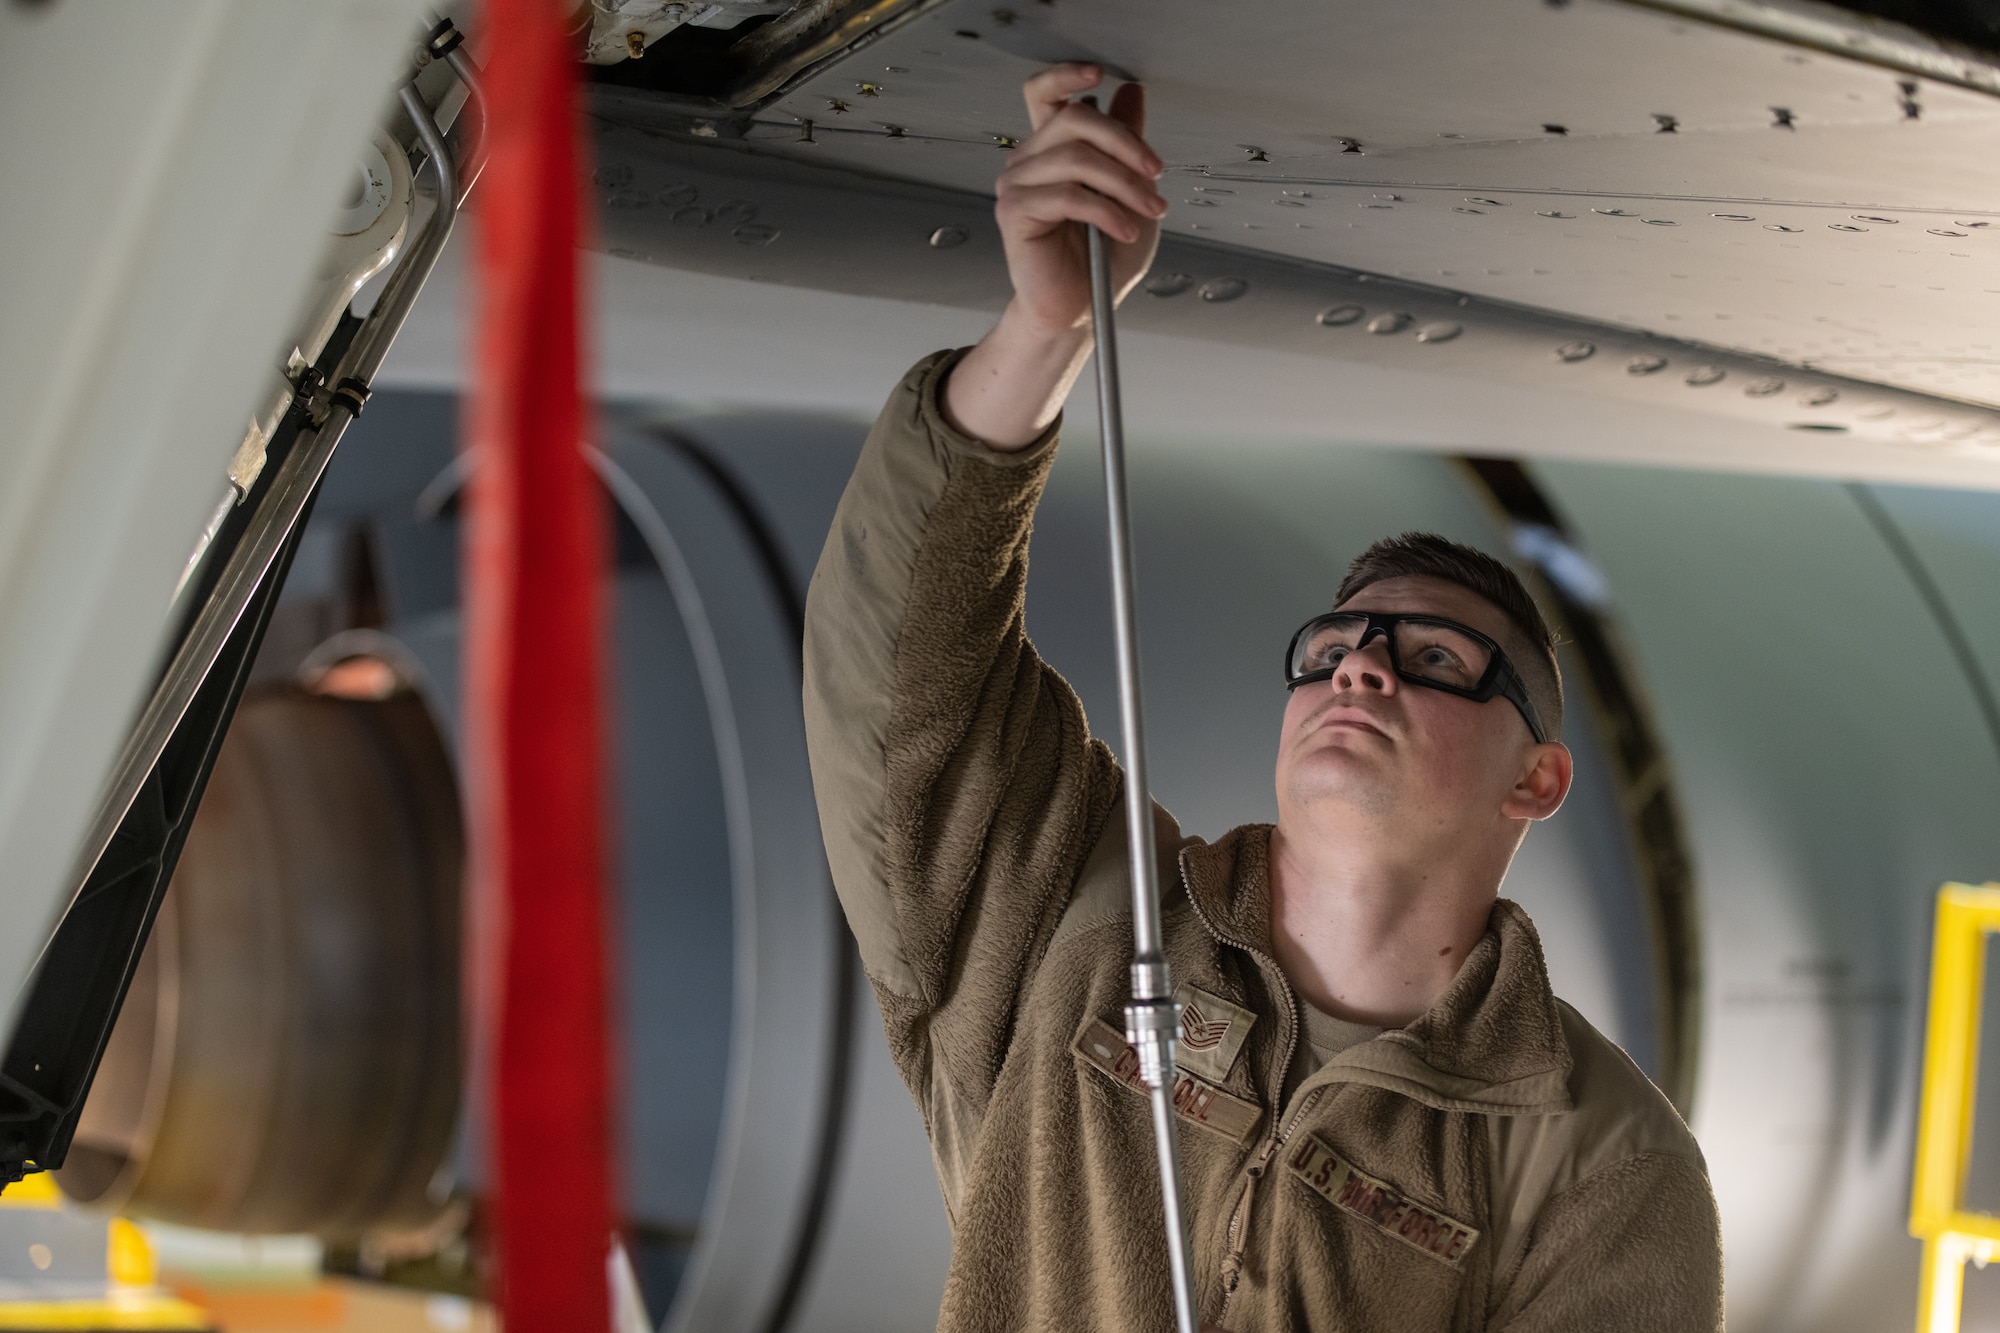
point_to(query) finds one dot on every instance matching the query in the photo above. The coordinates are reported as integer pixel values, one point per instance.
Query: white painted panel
(171, 170)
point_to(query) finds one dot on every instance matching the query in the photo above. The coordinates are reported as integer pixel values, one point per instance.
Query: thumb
(1128, 107)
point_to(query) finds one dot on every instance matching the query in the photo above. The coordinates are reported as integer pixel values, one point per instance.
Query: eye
(1436, 655)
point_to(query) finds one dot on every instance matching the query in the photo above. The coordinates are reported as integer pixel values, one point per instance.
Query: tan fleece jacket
(1495, 1165)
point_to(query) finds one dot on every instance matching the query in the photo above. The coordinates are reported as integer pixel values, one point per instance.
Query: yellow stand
(1951, 1235)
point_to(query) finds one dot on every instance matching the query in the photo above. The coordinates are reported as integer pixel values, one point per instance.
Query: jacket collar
(1492, 1043)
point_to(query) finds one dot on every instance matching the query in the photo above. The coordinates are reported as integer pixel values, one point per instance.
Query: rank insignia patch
(1212, 1032)
(1196, 1100)
(1379, 1203)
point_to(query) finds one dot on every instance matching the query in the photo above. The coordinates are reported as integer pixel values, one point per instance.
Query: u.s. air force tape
(1198, 1101)
(1378, 1203)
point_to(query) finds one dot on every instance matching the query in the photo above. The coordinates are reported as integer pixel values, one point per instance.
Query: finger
(1079, 122)
(1084, 164)
(1128, 108)
(1049, 92)
(1038, 210)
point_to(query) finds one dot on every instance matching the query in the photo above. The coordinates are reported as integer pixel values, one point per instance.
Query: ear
(1544, 779)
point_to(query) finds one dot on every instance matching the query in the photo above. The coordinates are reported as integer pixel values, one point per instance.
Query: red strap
(535, 569)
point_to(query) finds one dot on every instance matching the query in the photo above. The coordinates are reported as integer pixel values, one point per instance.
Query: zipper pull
(1256, 1168)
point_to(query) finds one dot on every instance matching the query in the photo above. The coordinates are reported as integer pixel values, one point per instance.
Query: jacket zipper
(1236, 1238)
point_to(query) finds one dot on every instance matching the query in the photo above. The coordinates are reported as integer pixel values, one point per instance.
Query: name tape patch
(1379, 1203)
(1196, 1100)
(1212, 1032)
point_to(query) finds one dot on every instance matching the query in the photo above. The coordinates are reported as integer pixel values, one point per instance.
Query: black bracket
(72, 1000)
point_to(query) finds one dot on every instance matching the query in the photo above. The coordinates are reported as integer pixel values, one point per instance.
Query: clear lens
(1321, 648)
(1429, 649)
(1438, 652)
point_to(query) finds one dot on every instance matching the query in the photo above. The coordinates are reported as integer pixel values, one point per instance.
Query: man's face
(1431, 765)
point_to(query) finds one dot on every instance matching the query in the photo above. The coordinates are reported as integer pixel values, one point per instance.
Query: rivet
(805, 131)
(950, 236)
(1645, 365)
(1392, 322)
(1439, 333)
(1944, 231)
(966, 33)
(1004, 17)
(1218, 290)
(1290, 203)
(896, 69)
(1212, 189)
(869, 89)
(1576, 351)
(1819, 397)
(1615, 212)
(635, 44)
(1251, 154)
(1392, 198)
(1782, 118)
(1555, 129)
(755, 233)
(1702, 376)
(1667, 124)
(1349, 145)
(836, 106)
(1005, 141)
(1661, 222)
(1201, 203)
(1168, 284)
(691, 217)
(703, 129)
(1552, 213)
(1975, 224)
(1338, 316)
(1733, 217)
(1870, 217)
(1779, 226)
(896, 131)
(1461, 208)
(1843, 226)
(1490, 203)
(1763, 388)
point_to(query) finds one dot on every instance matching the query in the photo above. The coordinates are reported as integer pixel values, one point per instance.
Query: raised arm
(1079, 166)
(959, 788)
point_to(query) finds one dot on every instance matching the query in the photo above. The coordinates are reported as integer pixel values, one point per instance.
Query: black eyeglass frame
(1500, 678)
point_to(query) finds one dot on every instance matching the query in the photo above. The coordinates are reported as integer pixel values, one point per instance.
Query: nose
(1367, 668)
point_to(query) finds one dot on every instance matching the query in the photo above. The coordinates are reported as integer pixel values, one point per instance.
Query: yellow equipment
(1951, 1235)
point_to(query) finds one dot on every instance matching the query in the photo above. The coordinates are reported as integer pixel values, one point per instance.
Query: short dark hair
(1427, 555)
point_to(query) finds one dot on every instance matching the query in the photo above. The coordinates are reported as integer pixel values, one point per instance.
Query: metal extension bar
(1152, 1017)
(296, 480)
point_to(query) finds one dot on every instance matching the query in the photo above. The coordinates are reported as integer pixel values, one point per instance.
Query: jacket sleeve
(1636, 1246)
(959, 789)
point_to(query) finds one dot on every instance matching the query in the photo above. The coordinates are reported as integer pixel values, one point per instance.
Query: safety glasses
(1430, 651)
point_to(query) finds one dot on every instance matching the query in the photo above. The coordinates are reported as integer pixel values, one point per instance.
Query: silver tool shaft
(1152, 1017)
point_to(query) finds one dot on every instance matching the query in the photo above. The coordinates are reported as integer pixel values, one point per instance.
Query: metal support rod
(294, 484)
(1152, 1017)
